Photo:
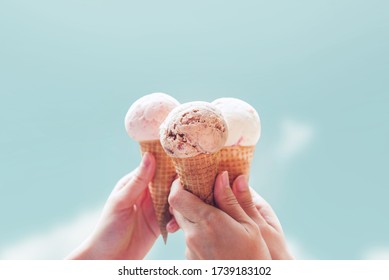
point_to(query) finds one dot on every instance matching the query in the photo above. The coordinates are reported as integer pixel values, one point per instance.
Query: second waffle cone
(160, 186)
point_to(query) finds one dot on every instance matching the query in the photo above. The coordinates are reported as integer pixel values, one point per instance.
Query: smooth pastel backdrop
(316, 71)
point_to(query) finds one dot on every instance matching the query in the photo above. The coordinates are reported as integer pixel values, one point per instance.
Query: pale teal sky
(316, 71)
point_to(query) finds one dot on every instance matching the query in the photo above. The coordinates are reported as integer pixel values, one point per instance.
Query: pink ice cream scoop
(193, 128)
(146, 115)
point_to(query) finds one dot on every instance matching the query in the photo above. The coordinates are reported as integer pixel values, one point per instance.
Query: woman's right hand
(226, 232)
(204, 241)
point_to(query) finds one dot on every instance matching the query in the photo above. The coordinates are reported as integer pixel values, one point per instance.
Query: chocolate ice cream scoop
(193, 128)
(193, 135)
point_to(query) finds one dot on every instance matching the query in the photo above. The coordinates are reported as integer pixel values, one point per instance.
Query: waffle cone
(160, 186)
(197, 174)
(236, 160)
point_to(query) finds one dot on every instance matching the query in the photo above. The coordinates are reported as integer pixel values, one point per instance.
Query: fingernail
(225, 181)
(176, 184)
(242, 185)
(171, 226)
(146, 159)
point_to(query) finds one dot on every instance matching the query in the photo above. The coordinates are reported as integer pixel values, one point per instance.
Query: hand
(211, 233)
(128, 227)
(263, 215)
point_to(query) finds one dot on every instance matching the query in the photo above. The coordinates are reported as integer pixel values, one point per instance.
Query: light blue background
(69, 70)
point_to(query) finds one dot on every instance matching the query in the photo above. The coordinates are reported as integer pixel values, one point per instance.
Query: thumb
(243, 195)
(226, 201)
(140, 180)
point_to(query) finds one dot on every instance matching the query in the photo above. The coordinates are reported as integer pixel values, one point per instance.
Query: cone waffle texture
(197, 174)
(160, 186)
(236, 160)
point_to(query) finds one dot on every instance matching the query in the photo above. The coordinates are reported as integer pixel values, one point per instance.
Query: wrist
(83, 252)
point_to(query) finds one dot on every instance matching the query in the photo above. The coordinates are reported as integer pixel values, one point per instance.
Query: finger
(140, 181)
(187, 204)
(172, 226)
(123, 181)
(149, 213)
(266, 211)
(226, 201)
(182, 222)
(243, 195)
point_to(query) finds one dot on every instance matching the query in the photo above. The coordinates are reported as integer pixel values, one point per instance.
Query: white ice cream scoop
(244, 126)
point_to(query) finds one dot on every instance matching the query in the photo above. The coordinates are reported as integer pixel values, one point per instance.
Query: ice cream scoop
(244, 131)
(193, 134)
(142, 124)
(242, 119)
(193, 128)
(146, 114)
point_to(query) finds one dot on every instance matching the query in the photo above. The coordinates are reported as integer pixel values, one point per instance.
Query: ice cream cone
(197, 174)
(236, 160)
(160, 186)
